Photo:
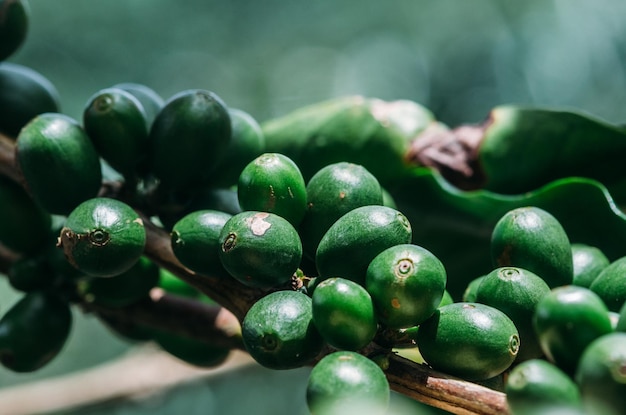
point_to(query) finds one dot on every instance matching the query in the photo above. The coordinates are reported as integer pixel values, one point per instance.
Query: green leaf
(456, 225)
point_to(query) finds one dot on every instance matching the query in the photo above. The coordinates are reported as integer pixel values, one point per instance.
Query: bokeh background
(268, 57)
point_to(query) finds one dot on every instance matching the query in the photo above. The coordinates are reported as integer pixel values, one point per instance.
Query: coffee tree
(475, 269)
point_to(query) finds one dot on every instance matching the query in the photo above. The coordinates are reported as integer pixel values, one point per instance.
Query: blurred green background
(457, 58)
(268, 57)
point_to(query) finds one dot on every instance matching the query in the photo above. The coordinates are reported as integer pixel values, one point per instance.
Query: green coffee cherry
(170, 283)
(149, 99)
(516, 292)
(126, 330)
(221, 200)
(344, 381)
(352, 242)
(610, 284)
(533, 239)
(469, 295)
(470, 340)
(588, 262)
(273, 183)
(247, 143)
(279, 333)
(189, 137)
(260, 249)
(614, 317)
(124, 289)
(407, 283)
(33, 331)
(344, 314)
(72, 170)
(46, 269)
(14, 21)
(332, 192)
(388, 199)
(58, 264)
(621, 322)
(601, 375)
(24, 225)
(405, 338)
(103, 237)
(537, 386)
(115, 121)
(196, 241)
(566, 321)
(30, 274)
(24, 94)
(445, 299)
(191, 351)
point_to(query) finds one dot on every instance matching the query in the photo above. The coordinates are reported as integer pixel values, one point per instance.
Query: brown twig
(411, 379)
(8, 165)
(228, 292)
(7, 257)
(456, 396)
(212, 324)
(453, 153)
